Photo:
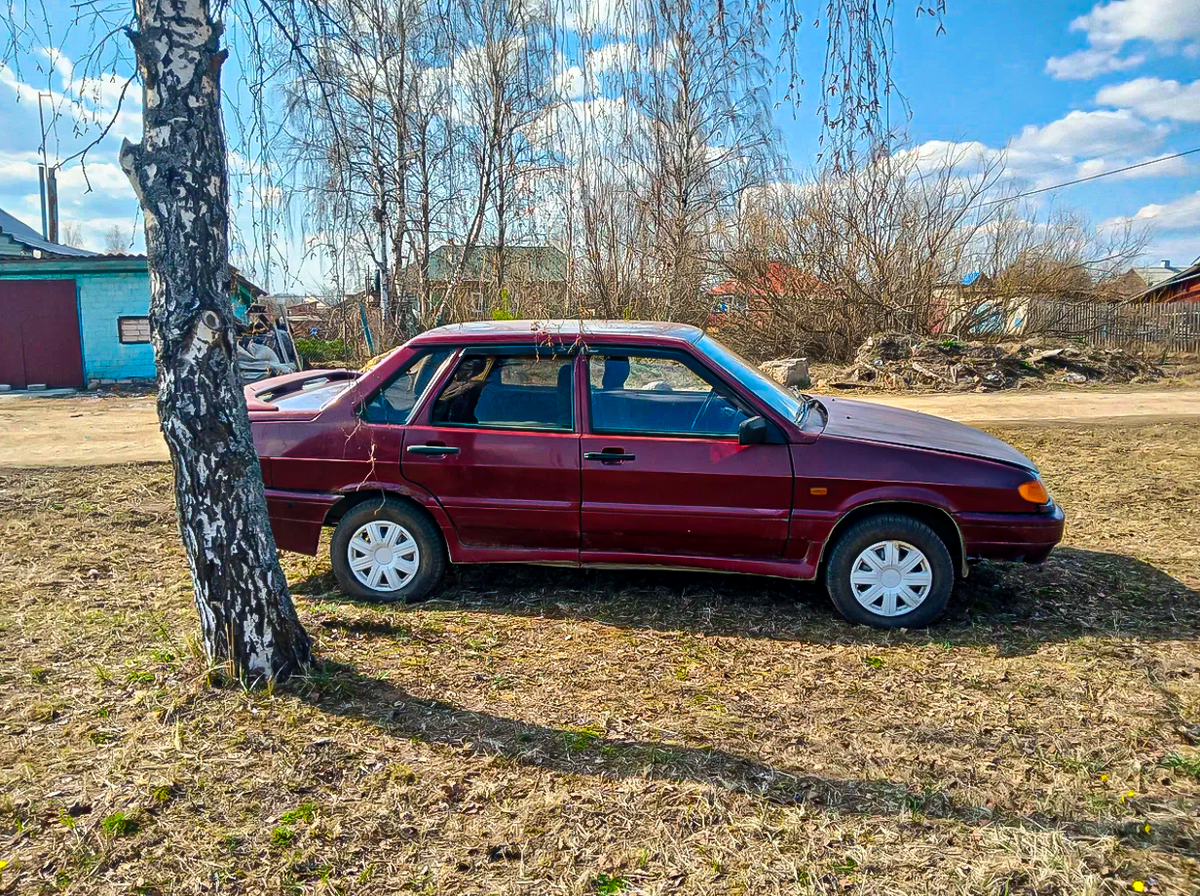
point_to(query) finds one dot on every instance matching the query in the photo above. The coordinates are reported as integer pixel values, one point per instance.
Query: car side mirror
(753, 431)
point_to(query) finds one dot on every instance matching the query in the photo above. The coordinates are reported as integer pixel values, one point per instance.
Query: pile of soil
(899, 361)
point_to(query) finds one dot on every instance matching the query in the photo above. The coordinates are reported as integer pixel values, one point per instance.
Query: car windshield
(765, 388)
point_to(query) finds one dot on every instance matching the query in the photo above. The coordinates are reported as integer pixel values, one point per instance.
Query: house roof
(22, 233)
(772, 279)
(18, 265)
(1183, 276)
(1157, 275)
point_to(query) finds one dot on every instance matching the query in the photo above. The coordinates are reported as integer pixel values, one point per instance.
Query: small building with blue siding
(70, 318)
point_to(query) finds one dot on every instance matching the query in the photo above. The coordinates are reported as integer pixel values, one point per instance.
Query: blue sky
(1067, 89)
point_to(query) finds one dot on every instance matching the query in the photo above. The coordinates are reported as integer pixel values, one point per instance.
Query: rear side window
(394, 403)
(509, 391)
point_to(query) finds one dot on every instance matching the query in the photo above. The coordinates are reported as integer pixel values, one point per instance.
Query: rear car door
(498, 448)
(662, 470)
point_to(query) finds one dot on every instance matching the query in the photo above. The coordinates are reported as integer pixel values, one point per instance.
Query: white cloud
(1080, 144)
(949, 152)
(603, 17)
(1155, 98)
(1121, 21)
(1169, 25)
(90, 103)
(1175, 167)
(104, 177)
(1087, 134)
(619, 56)
(19, 167)
(1084, 64)
(1181, 251)
(590, 128)
(1181, 214)
(571, 83)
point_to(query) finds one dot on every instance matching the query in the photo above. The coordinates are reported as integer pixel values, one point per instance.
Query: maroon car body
(529, 494)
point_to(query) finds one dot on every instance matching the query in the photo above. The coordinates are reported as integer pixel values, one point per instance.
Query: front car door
(662, 470)
(499, 449)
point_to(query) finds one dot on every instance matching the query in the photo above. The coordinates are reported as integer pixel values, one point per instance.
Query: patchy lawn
(555, 731)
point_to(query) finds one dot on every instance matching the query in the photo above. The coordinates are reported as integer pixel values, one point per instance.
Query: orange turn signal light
(1033, 492)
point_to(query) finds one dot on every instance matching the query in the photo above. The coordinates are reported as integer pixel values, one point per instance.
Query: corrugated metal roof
(1157, 275)
(23, 233)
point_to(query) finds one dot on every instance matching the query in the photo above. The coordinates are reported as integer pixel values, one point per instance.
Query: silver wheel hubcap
(891, 578)
(383, 555)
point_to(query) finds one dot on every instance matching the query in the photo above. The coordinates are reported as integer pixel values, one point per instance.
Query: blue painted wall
(102, 299)
(105, 292)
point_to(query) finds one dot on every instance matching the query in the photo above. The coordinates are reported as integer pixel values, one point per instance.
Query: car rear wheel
(890, 571)
(387, 551)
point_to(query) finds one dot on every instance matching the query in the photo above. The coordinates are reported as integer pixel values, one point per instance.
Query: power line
(1083, 180)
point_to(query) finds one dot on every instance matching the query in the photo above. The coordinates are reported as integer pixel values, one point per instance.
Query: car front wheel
(890, 571)
(387, 551)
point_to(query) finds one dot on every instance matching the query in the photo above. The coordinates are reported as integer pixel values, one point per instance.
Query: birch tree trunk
(247, 619)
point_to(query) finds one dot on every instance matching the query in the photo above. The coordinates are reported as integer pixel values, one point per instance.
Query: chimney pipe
(42, 193)
(51, 205)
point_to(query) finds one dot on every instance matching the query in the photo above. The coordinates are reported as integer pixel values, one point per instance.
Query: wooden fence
(1131, 327)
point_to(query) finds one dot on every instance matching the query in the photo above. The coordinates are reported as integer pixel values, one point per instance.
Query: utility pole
(381, 220)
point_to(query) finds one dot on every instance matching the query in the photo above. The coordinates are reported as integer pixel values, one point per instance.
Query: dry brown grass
(555, 731)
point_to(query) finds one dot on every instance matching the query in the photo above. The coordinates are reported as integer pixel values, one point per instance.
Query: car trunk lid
(296, 395)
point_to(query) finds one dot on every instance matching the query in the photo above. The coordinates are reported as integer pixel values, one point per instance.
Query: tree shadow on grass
(340, 690)
(1012, 607)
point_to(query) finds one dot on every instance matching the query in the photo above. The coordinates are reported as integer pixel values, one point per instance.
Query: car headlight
(1034, 492)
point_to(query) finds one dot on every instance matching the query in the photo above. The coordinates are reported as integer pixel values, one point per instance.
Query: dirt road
(87, 430)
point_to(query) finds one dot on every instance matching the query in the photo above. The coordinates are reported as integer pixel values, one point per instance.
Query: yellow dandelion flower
(1103, 779)
(3, 864)
(1131, 794)
(1146, 828)
(1138, 886)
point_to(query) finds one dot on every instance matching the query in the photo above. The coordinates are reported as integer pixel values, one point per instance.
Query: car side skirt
(781, 569)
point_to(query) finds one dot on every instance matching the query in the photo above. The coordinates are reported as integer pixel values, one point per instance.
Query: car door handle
(607, 456)
(431, 449)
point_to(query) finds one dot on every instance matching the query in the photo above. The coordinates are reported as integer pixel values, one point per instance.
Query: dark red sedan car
(632, 445)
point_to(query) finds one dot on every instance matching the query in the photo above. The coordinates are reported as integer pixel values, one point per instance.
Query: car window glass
(661, 374)
(782, 400)
(659, 395)
(394, 402)
(508, 391)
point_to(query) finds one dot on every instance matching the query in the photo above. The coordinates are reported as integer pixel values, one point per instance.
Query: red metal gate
(39, 334)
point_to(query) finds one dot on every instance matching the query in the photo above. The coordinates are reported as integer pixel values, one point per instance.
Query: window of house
(661, 395)
(133, 330)
(509, 391)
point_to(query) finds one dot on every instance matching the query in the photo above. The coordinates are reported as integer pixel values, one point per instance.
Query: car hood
(849, 419)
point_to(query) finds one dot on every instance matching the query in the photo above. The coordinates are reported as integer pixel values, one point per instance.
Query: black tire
(884, 528)
(430, 556)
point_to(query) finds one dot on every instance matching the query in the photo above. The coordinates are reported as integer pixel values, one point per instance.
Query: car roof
(560, 331)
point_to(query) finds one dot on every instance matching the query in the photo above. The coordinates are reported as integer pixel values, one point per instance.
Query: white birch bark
(247, 620)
